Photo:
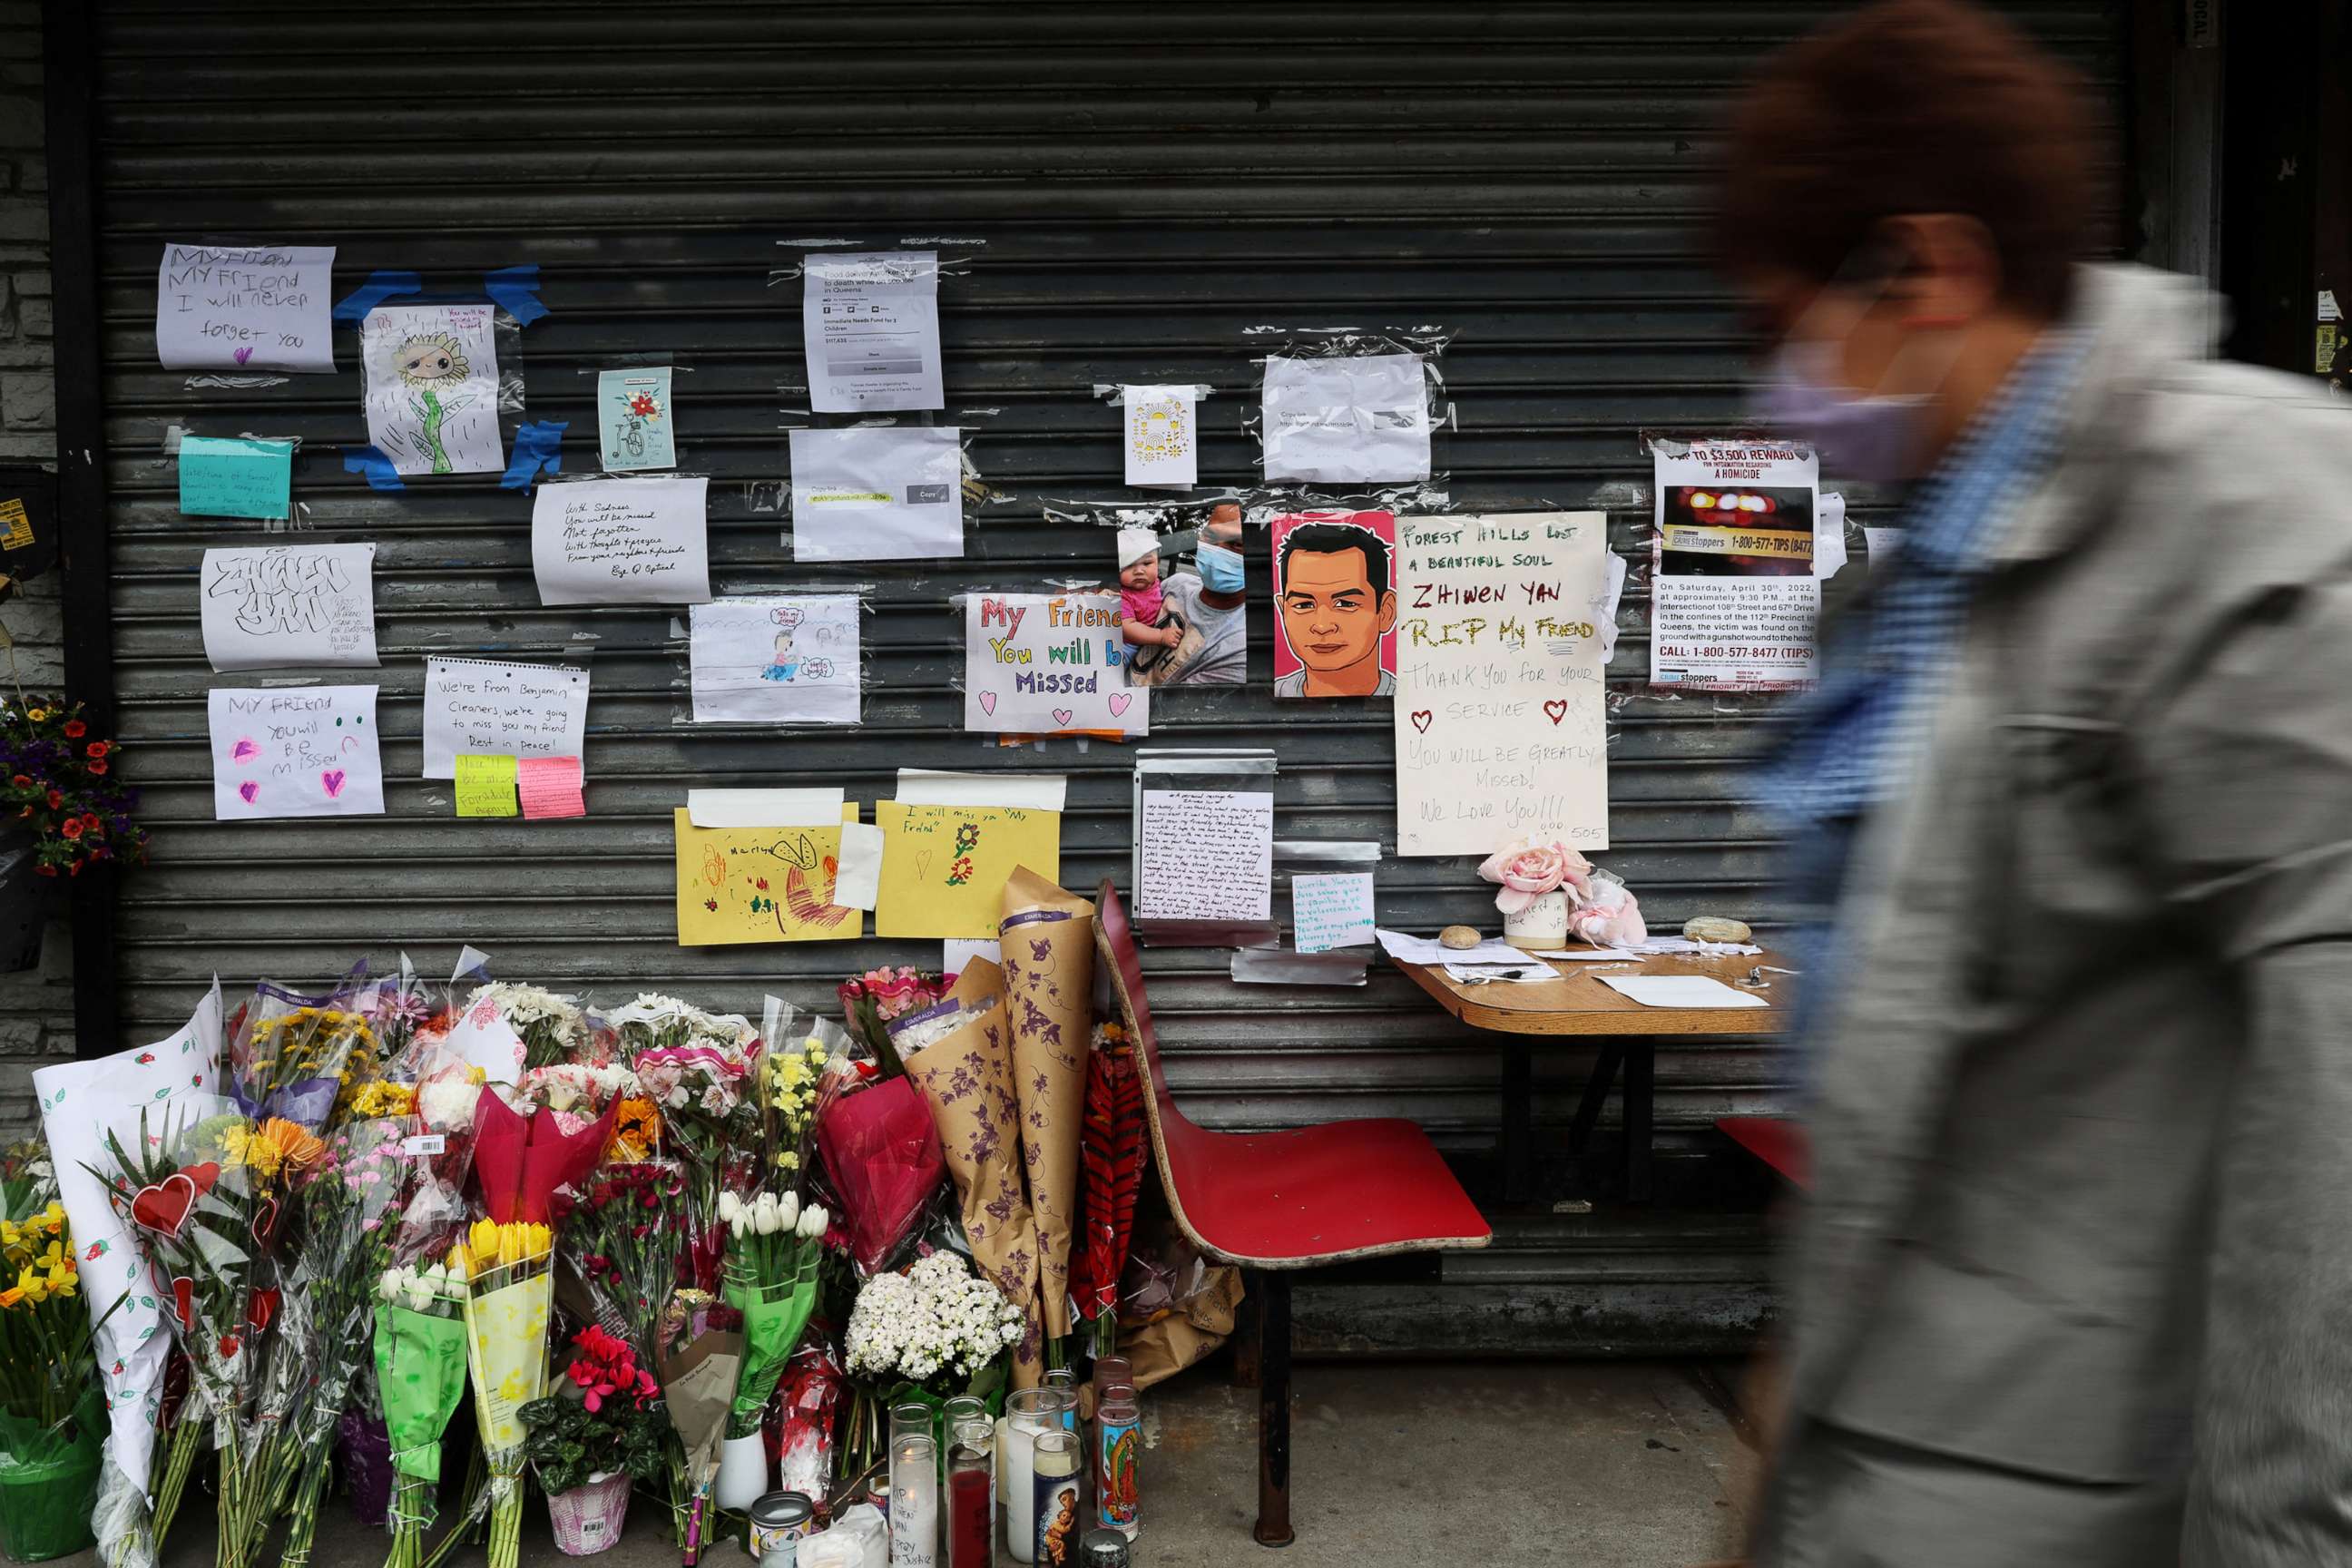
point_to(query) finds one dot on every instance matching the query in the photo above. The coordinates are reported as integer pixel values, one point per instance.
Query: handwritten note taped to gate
(944, 866)
(235, 477)
(1208, 854)
(622, 542)
(759, 884)
(1331, 910)
(297, 750)
(487, 708)
(275, 605)
(1039, 663)
(1499, 712)
(244, 307)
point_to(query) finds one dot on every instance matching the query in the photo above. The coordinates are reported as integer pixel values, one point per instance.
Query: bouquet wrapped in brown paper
(965, 1075)
(1048, 942)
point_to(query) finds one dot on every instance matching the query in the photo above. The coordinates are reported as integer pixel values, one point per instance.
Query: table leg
(1519, 1125)
(1596, 1094)
(1640, 1084)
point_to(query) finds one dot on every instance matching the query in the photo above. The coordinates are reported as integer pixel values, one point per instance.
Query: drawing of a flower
(643, 407)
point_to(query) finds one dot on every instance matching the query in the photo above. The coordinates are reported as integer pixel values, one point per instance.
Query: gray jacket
(2083, 1117)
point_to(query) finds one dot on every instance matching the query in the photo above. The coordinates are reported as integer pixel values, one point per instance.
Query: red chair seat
(1779, 1142)
(1347, 1189)
(1286, 1200)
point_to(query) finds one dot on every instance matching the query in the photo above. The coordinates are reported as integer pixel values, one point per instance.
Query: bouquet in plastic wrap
(508, 1267)
(620, 1244)
(772, 1250)
(346, 1202)
(291, 1056)
(210, 1204)
(553, 1029)
(702, 1351)
(881, 1156)
(420, 1370)
(508, 1260)
(699, 1069)
(872, 1001)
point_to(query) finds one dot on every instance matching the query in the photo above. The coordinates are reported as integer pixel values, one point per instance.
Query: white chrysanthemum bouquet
(938, 1324)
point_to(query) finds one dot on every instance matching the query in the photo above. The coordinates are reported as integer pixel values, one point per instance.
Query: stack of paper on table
(1680, 991)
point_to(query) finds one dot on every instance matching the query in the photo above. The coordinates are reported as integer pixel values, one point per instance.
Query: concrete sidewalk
(1561, 1464)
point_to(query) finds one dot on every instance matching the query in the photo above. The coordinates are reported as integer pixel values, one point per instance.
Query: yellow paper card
(944, 866)
(486, 785)
(760, 884)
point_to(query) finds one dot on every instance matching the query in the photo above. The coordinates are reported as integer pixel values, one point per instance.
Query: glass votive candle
(972, 1496)
(914, 1501)
(1054, 1478)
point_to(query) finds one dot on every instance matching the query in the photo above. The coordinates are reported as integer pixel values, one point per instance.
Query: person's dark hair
(1334, 538)
(1907, 107)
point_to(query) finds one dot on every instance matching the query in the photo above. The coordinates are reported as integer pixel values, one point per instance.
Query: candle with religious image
(1117, 1449)
(1055, 1465)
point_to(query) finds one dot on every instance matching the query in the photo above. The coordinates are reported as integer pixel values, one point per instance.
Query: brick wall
(37, 1007)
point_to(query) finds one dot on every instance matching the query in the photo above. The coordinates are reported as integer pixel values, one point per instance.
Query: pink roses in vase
(1549, 892)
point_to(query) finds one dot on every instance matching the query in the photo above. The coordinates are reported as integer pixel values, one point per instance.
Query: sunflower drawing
(432, 366)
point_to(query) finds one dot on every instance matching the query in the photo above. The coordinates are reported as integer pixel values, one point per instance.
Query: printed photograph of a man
(1335, 604)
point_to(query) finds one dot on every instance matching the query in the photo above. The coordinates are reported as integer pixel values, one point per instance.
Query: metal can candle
(778, 1520)
(1118, 1453)
(1104, 1548)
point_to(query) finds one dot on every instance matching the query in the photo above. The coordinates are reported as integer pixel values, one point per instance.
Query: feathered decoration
(1111, 1154)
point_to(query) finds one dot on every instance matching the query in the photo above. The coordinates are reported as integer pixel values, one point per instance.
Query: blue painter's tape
(516, 290)
(379, 287)
(537, 446)
(370, 461)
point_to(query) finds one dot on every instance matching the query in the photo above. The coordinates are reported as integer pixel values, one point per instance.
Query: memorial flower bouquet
(346, 1201)
(772, 1251)
(702, 1350)
(293, 1057)
(937, 1325)
(510, 1298)
(210, 1205)
(57, 778)
(698, 1069)
(507, 1260)
(869, 1001)
(420, 1367)
(553, 1028)
(621, 1240)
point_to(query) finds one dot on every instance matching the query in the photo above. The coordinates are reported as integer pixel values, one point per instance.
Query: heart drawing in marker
(244, 750)
(248, 789)
(1555, 710)
(1063, 715)
(1118, 701)
(244, 354)
(332, 781)
(1421, 717)
(988, 703)
(922, 864)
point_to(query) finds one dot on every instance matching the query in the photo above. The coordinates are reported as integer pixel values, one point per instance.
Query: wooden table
(1579, 1006)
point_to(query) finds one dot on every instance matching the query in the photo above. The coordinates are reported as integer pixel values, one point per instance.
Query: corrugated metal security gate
(1125, 194)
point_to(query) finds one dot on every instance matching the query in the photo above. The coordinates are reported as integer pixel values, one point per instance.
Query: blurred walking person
(2073, 811)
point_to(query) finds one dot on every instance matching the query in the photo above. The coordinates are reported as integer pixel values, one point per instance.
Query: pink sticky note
(550, 786)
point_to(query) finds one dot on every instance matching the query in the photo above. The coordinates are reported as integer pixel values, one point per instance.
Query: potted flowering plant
(589, 1442)
(52, 1412)
(61, 809)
